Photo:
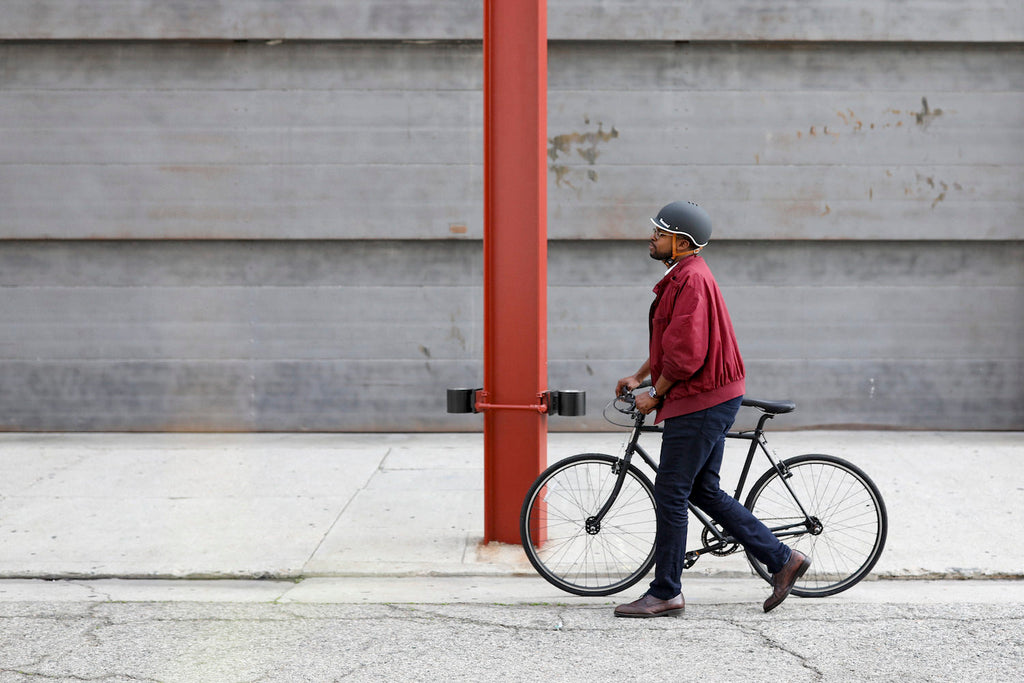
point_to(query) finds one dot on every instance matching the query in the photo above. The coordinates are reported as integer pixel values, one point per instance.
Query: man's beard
(660, 255)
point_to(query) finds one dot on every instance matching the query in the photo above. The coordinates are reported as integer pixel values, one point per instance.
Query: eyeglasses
(658, 233)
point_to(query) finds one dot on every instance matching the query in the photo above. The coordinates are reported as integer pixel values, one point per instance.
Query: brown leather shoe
(650, 606)
(782, 582)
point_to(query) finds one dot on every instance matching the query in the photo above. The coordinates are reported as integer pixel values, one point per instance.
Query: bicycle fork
(593, 524)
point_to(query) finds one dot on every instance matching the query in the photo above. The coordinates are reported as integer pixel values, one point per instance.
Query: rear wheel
(561, 539)
(848, 526)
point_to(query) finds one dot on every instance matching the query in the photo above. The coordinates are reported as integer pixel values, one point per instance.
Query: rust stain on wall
(585, 143)
(586, 146)
(852, 123)
(943, 189)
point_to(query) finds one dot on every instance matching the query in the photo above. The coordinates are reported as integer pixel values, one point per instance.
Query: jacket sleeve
(685, 339)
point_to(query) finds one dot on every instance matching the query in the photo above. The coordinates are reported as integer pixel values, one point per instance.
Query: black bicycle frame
(757, 440)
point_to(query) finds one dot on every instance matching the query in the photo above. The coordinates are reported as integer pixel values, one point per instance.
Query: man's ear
(682, 247)
(682, 244)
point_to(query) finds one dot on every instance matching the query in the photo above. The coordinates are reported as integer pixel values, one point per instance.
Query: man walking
(698, 383)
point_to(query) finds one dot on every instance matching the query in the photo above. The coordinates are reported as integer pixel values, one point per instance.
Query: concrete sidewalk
(285, 506)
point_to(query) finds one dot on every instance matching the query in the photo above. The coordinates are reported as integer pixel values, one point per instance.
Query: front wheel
(560, 536)
(848, 522)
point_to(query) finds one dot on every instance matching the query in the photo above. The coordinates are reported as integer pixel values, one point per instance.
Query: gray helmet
(686, 219)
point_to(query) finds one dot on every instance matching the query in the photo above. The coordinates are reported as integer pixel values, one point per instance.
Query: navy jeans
(691, 455)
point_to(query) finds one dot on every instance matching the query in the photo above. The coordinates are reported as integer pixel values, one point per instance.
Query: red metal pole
(515, 256)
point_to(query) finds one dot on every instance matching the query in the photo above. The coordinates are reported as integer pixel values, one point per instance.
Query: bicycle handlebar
(627, 394)
(629, 398)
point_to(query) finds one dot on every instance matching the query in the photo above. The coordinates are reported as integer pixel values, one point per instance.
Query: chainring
(707, 538)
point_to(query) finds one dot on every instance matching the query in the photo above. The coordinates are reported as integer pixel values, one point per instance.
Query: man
(698, 384)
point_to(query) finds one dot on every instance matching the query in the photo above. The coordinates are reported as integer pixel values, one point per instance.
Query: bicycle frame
(722, 544)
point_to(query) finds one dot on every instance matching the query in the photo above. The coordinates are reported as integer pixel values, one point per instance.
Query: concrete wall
(769, 20)
(225, 235)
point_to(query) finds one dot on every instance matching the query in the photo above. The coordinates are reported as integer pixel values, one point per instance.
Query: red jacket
(692, 341)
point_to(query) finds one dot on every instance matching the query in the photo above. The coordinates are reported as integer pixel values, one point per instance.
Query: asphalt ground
(500, 629)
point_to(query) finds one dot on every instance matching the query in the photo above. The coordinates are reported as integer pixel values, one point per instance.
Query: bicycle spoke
(838, 497)
(591, 562)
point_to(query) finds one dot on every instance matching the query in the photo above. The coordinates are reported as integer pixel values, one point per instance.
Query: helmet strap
(677, 255)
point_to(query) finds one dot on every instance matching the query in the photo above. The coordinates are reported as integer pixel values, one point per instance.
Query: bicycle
(588, 522)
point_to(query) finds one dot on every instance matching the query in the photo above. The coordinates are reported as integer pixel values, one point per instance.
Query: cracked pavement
(908, 630)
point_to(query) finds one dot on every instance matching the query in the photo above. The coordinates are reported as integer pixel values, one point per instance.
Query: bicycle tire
(552, 525)
(854, 522)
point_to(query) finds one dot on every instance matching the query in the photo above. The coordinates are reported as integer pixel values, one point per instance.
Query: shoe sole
(804, 566)
(666, 613)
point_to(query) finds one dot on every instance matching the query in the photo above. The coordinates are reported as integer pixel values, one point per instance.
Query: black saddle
(773, 407)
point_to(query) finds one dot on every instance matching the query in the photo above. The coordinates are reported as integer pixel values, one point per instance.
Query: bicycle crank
(716, 547)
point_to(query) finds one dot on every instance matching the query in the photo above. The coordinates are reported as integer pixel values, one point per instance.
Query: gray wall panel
(856, 334)
(822, 321)
(220, 263)
(571, 19)
(789, 141)
(353, 335)
(834, 141)
(960, 394)
(79, 395)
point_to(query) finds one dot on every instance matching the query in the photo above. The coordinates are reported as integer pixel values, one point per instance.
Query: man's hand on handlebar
(626, 384)
(632, 382)
(645, 404)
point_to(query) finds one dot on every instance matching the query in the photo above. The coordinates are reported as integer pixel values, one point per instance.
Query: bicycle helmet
(686, 219)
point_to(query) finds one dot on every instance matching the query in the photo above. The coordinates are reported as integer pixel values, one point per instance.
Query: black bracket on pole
(565, 402)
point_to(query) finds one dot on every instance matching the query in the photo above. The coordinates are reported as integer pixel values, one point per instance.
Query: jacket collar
(676, 271)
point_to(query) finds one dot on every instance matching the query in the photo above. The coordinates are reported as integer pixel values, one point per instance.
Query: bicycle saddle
(773, 407)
